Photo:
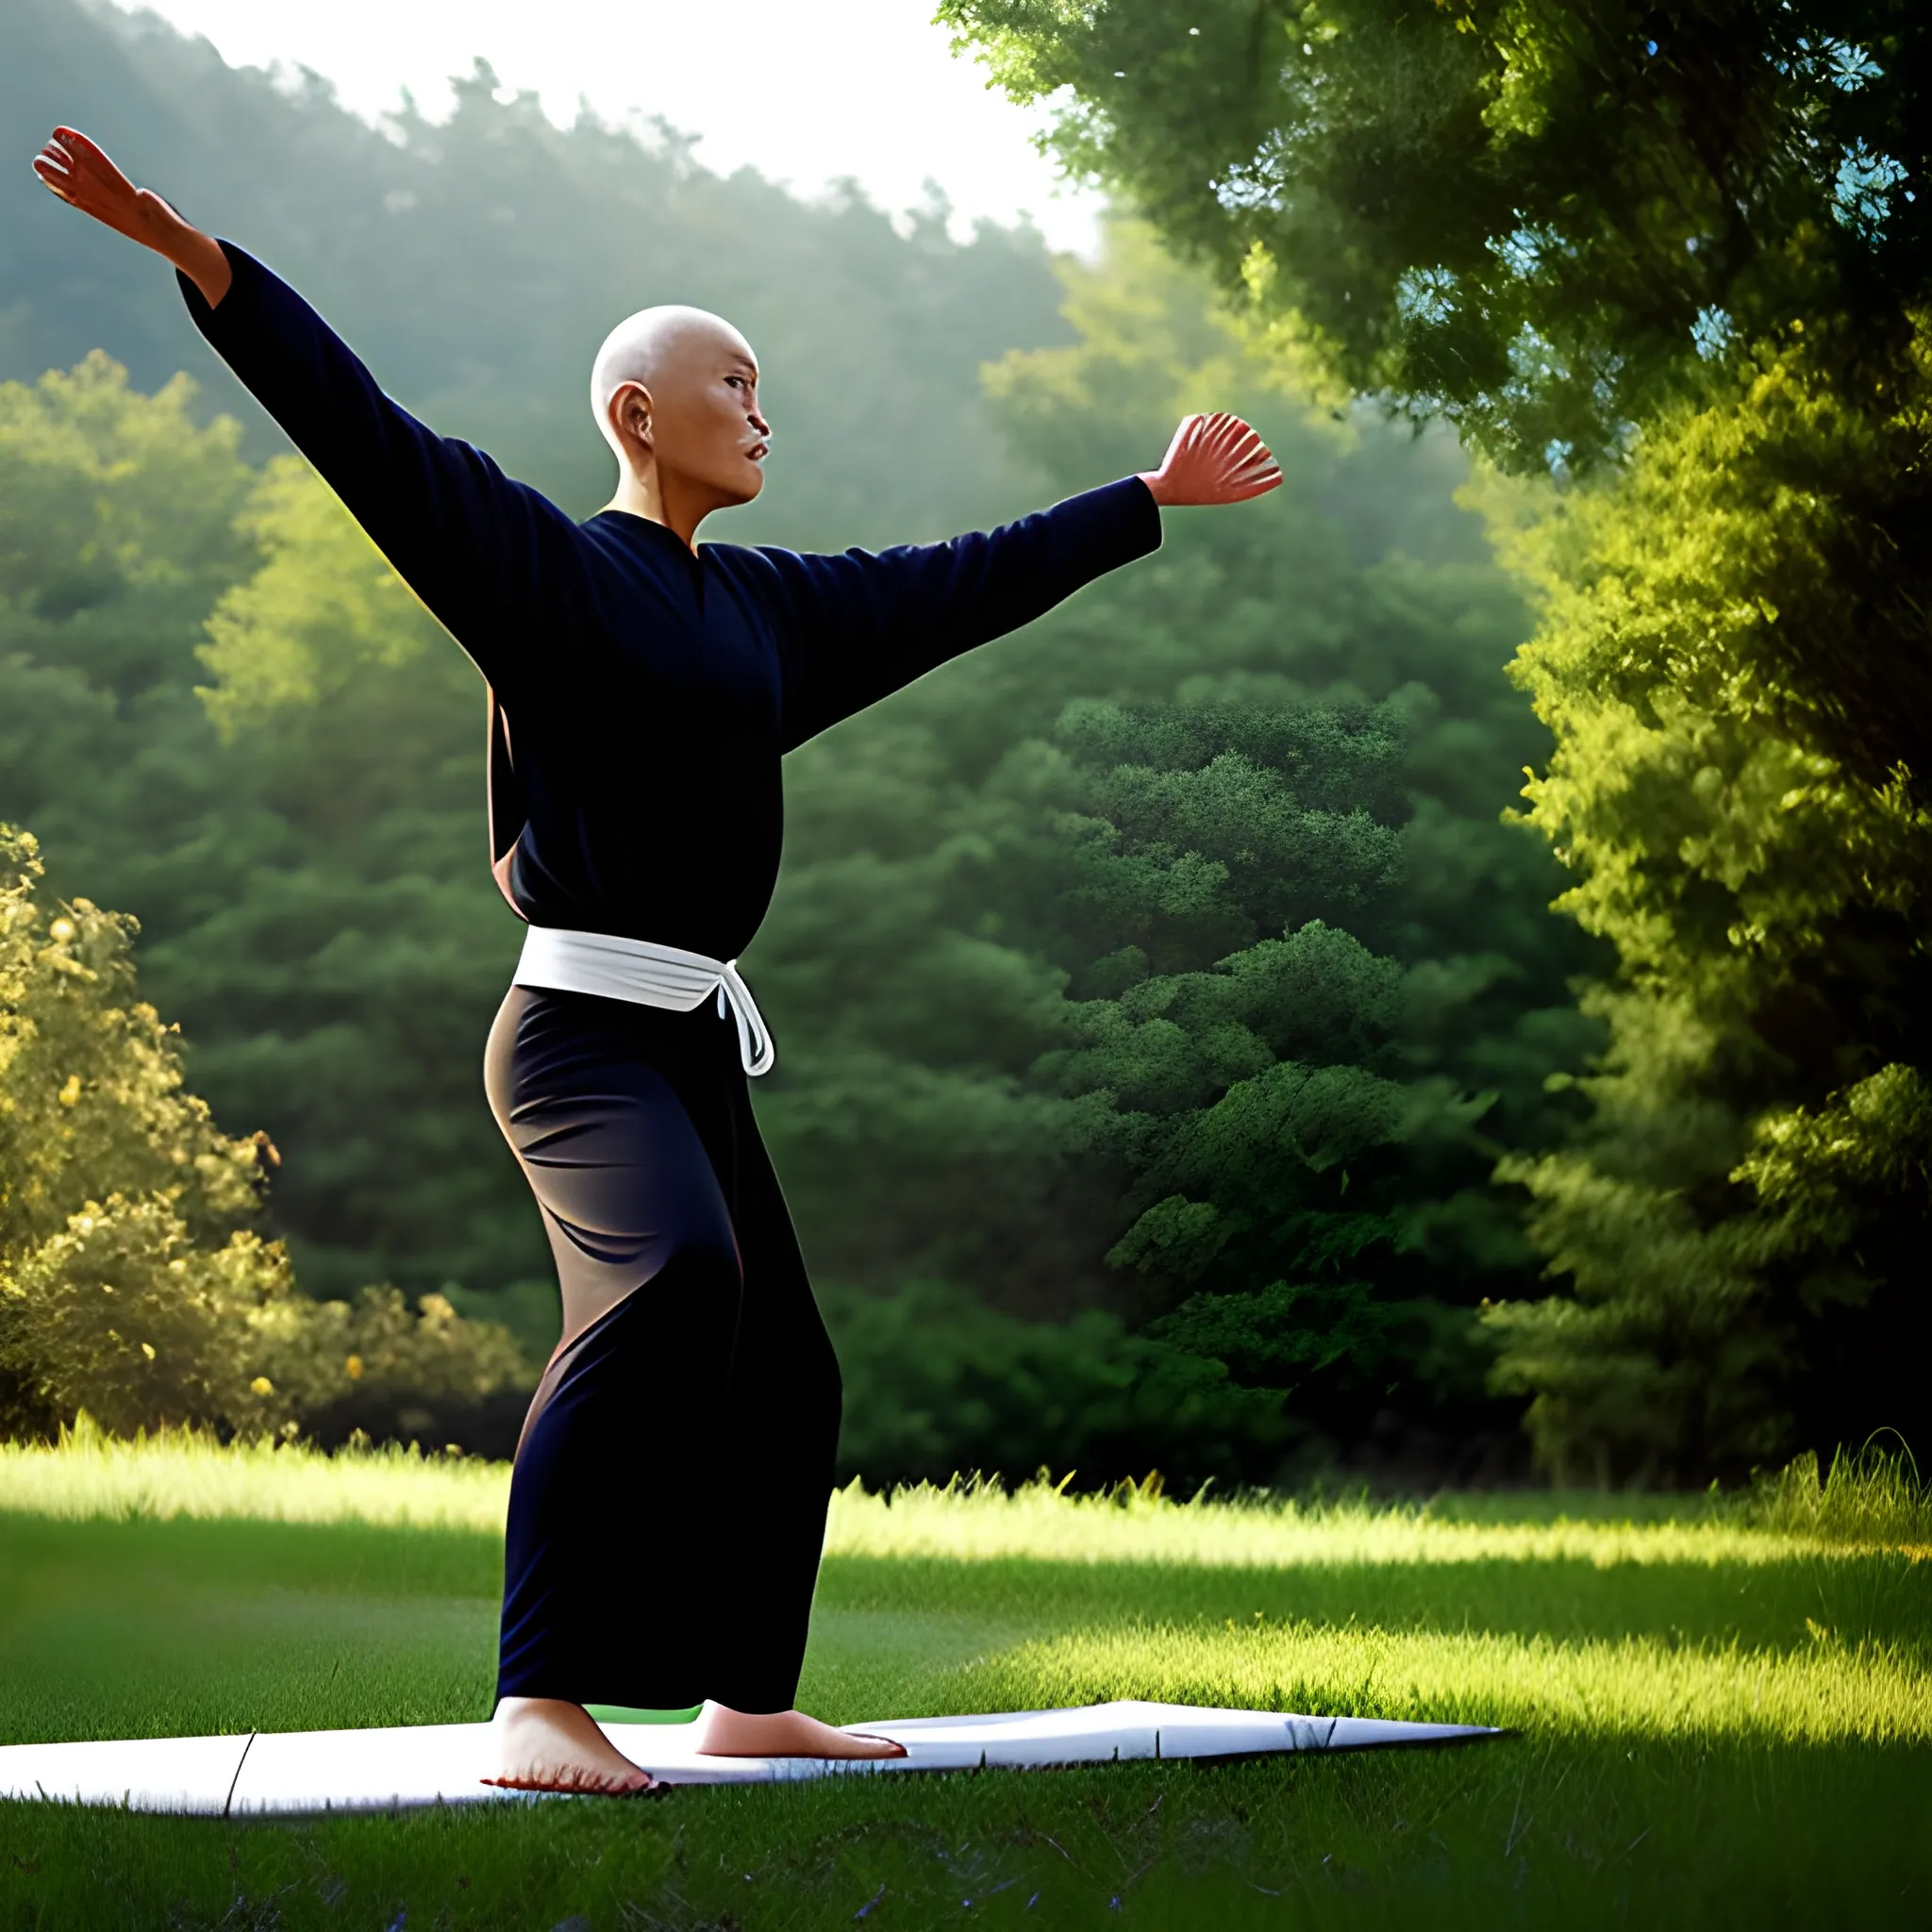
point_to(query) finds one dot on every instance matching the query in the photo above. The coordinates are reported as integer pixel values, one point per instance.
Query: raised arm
(495, 561)
(863, 625)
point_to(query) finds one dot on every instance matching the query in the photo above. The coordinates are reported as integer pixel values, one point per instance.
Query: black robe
(668, 1502)
(648, 693)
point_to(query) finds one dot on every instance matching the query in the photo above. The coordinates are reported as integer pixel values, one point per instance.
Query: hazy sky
(804, 91)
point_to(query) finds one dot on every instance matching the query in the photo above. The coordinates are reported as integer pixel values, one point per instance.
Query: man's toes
(575, 1777)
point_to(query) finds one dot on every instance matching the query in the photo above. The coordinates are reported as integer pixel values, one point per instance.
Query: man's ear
(631, 416)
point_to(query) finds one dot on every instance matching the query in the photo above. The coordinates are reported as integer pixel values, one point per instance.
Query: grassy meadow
(1722, 1709)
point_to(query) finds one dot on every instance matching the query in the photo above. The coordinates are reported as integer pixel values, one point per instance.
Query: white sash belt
(651, 976)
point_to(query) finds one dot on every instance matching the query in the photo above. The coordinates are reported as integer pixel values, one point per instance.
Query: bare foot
(724, 1733)
(544, 1745)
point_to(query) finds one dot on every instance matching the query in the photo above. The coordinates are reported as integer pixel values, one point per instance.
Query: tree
(1675, 260)
(1063, 924)
(314, 905)
(300, 831)
(131, 1284)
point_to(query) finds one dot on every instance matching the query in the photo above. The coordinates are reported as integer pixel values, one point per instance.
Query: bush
(126, 1285)
(937, 1383)
(119, 1314)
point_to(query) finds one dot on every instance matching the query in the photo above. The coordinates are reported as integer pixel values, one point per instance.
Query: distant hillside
(476, 267)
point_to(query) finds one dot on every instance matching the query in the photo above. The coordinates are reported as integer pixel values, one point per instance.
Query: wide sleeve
(497, 563)
(861, 624)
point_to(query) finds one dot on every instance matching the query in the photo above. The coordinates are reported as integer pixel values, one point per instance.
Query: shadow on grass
(1880, 1598)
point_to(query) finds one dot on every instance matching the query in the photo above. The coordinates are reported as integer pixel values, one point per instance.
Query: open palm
(79, 172)
(1213, 458)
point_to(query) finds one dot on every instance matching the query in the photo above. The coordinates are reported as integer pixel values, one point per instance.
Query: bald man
(668, 1498)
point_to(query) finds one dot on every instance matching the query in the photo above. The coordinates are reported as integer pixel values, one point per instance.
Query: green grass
(1722, 1708)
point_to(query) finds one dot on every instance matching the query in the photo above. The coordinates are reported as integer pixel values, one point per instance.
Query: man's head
(675, 393)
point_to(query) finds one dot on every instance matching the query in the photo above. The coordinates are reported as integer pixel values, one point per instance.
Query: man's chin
(739, 488)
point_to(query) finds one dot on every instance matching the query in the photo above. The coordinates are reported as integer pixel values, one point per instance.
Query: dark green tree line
(305, 874)
(1155, 988)
(1177, 964)
(1671, 261)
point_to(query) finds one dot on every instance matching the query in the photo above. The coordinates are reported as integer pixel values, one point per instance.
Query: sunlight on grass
(1867, 1496)
(986, 1523)
(1867, 1501)
(1871, 1502)
(1724, 1704)
(186, 1472)
(1633, 1688)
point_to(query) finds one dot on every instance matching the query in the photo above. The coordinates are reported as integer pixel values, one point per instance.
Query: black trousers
(667, 1505)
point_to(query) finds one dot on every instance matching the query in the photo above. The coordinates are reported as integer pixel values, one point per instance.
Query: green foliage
(126, 1288)
(1685, 251)
(1214, 976)
(1525, 215)
(92, 1076)
(1284, 1150)
(937, 1382)
(324, 608)
(1308, 743)
(1741, 1222)
(114, 1305)
(116, 1314)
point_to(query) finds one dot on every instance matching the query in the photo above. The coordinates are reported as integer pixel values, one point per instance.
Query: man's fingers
(85, 159)
(1236, 443)
(1217, 457)
(79, 144)
(59, 180)
(1228, 445)
(1255, 461)
(78, 170)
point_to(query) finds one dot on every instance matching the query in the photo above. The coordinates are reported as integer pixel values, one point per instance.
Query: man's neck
(643, 496)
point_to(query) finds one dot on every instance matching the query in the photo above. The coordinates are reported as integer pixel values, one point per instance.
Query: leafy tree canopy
(1528, 215)
(1670, 262)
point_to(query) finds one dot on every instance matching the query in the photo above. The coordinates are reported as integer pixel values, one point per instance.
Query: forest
(1413, 982)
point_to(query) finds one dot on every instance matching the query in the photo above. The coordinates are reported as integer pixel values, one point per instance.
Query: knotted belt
(648, 974)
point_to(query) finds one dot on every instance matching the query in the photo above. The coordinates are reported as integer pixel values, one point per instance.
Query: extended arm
(496, 561)
(862, 625)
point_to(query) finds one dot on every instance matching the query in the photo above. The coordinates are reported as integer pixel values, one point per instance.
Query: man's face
(705, 433)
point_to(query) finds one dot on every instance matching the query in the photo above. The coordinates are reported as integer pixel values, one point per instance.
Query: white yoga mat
(380, 1770)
